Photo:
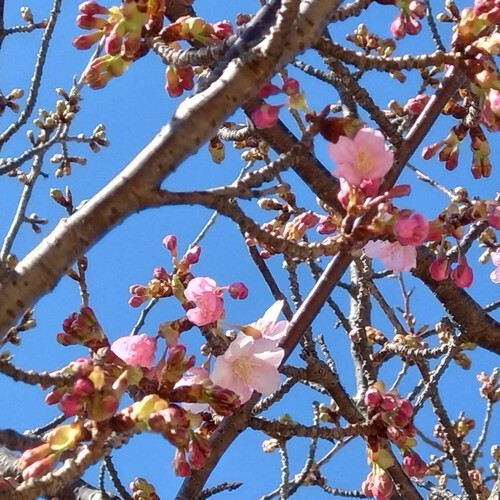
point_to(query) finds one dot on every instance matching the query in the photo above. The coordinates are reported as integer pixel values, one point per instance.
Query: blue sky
(133, 108)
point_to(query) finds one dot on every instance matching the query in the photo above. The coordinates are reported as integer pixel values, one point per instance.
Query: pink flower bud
(223, 401)
(52, 398)
(291, 86)
(82, 367)
(113, 44)
(399, 420)
(413, 465)
(388, 402)
(192, 256)
(372, 397)
(33, 455)
(238, 290)
(40, 468)
(70, 405)
(411, 229)
(186, 77)
(92, 8)
(266, 116)
(267, 90)
(326, 225)
(440, 267)
(176, 354)
(399, 191)
(84, 42)
(139, 290)
(370, 187)
(83, 387)
(135, 350)
(413, 26)
(405, 407)
(90, 22)
(179, 464)
(418, 8)
(159, 273)
(494, 215)
(222, 29)
(170, 242)
(462, 275)
(198, 450)
(416, 105)
(398, 30)
(136, 301)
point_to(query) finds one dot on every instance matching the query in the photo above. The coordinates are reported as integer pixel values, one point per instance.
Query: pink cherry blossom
(266, 116)
(495, 258)
(268, 326)
(249, 365)
(135, 350)
(365, 157)
(411, 229)
(207, 297)
(195, 375)
(394, 256)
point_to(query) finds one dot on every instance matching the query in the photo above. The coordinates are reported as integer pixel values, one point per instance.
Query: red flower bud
(238, 290)
(462, 275)
(192, 256)
(170, 242)
(83, 387)
(92, 8)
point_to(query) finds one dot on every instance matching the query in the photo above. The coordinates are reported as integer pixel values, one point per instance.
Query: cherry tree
(372, 240)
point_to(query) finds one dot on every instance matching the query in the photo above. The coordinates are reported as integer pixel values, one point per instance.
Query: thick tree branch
(128, 193)
(470, 317)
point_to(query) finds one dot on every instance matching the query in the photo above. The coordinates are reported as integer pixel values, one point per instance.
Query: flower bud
(92, 8)
(180, 464)
(192, 256)
(291, 86)
(440, 267)
(462, 275)
(83, 387)
(266, 116)
(411, 229)
(170, 242)
(413, 465)
(238, 290)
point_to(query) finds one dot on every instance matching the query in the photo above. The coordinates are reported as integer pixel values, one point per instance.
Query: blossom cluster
(267, 115)
(393, 417)
(123, 28)
(172, 391)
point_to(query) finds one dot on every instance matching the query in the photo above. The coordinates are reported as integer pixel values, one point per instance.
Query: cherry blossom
(249, 365)
(394, 256)
(411, 229)
(266, 116)
(365, 157)
(207, 297)
(495, 258)
(135, 350)
(195, 375)
(268, 326)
